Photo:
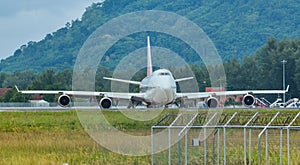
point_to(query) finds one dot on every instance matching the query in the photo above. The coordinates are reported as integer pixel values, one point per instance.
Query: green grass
(56, 138)
(44, 137)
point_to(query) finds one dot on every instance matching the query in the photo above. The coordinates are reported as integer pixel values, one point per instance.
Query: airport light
(283, 78)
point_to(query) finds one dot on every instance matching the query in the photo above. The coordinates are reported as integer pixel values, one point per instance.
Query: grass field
(44, 137)
(56, 138)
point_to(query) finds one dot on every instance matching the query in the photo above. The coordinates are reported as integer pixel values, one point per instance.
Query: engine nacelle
(64, 100)
(212, 102)
(248, 100)
(105, 103)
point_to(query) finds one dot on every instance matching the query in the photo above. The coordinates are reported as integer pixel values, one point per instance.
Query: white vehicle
(276, 103)
(157, 89)
(292, 103)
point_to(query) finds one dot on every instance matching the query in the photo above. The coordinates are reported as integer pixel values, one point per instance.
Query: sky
(22, 21)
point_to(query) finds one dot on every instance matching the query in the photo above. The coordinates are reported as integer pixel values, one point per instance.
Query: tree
(45, 81)
(3, 76)
(249, 73)
(233, 76)
(100, 83)
(21, 79)
(13, 96)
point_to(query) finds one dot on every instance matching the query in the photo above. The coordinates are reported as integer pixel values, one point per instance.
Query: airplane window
(164, 74)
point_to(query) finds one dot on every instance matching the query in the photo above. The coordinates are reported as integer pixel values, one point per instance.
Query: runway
(141, 108)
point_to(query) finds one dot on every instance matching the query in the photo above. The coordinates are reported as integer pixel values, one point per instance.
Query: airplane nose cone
(161, 96)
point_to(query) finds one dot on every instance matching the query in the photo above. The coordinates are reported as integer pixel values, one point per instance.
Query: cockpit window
(164, 74)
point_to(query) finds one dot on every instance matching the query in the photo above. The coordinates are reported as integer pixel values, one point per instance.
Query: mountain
(238, 29)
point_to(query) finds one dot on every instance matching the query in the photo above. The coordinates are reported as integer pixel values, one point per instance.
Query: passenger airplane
(157, 89)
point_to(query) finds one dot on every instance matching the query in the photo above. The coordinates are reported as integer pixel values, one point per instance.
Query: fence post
(204, 145)
(169, 128)
(288, 136)
(186, 148)
(245, 138)
(280, 146)
(224, 141)
(152, 145)
(179, 149)
(267, 155)
(259, 136)
(224, 127)
(218, 146)
(250, 139)
(184, 129)
(288, 144)
(204, 139)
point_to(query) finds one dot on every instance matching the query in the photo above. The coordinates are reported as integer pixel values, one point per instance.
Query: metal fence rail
(238, 148)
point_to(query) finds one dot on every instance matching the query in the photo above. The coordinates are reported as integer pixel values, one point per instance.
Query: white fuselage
(159, 88)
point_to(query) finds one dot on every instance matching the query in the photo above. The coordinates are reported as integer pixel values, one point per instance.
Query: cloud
(24, 21)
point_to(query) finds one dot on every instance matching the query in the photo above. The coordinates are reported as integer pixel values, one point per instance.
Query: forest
(252, 38)
(260, 71)
(237, 28)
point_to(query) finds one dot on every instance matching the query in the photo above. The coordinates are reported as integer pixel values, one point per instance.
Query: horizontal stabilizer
(183, 79)
(124, 81)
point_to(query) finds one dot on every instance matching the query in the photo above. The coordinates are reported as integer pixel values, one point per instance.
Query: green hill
(238, 29)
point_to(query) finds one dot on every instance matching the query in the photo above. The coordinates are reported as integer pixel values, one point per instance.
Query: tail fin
(149, 60)
(287, 88)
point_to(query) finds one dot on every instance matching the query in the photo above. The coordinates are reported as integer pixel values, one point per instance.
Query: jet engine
(212, 102)
(248, 100)
(105, 103)
(64, 100)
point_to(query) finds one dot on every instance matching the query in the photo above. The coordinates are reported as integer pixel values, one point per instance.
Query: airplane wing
(229, 93)
(79, 93)
(106, 101)
(212, 101)
(118, 95)
(196, 95)
(232, 93)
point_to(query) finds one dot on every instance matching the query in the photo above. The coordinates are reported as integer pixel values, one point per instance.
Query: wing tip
(17, 88)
